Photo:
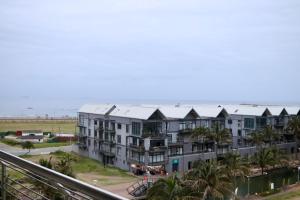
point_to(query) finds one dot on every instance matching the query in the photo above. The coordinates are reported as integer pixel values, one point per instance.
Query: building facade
(158, 137)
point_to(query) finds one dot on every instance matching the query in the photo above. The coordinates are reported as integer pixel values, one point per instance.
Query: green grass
(286, 196)
(66, 126)
(51, 144)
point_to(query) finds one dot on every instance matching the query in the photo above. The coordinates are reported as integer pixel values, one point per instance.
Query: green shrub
(10, 142)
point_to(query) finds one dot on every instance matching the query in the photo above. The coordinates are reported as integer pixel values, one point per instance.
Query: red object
(18, 133)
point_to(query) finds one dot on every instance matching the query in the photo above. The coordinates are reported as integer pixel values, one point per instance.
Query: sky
(69, 52)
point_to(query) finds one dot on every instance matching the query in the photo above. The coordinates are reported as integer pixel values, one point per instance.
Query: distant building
(158, 137)
(35, 136)
(32, 138)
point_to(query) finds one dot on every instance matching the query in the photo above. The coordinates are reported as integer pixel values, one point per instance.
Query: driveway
(19, 151)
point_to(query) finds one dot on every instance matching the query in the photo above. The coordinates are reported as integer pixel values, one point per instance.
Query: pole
(248, 178)
(3, 181)
(298, 173)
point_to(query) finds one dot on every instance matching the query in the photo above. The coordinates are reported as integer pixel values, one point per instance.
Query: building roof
(292, 110)
(31, 137)
(136, 112)
(209, 110)
(276, 110)
(252, 110)
(32, 131)
(175, 111)
(101, 109)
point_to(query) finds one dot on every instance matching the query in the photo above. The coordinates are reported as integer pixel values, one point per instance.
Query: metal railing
(22, 179)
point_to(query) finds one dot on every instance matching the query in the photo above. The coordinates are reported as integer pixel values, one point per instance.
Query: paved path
(19, 151)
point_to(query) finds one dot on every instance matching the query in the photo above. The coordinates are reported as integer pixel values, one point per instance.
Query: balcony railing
(37, 177)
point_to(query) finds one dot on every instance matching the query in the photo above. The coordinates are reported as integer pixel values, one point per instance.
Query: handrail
(69, 182)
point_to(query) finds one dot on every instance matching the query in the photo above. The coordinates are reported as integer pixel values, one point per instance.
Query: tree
(257, 138)
(264, 158)
(64, 165)
(170, 188)
(46, 163)
(269, 135)
(216, 133)
(209, 181)
(294, 126)
(235, 166)
(27, 145)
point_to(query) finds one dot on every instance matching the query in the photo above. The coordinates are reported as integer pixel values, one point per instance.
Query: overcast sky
(231, 50)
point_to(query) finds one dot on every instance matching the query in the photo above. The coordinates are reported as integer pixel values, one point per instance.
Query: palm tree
(27, 145)
(264, 158)
(170, 188)
(269, 135)
(279, 157)
(209, 181)
(294, 126)
(235, 167)
(216, 134)
(257, 138)
(201, 133)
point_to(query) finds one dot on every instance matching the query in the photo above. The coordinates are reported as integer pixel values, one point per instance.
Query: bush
(269, 192)
(10, 142)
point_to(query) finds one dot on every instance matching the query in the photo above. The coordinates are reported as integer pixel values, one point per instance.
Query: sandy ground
(114, 184)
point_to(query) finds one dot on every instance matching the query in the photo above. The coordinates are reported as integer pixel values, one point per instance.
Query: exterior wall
(123, 152)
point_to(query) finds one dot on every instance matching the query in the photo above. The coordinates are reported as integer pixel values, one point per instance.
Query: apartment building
(158, 137)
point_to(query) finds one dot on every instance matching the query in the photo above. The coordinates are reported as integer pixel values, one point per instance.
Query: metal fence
(22, 179)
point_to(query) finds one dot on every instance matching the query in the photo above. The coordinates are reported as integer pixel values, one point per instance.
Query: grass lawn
(66, 126)
(292, 195)
(52, 144)
(89, 170)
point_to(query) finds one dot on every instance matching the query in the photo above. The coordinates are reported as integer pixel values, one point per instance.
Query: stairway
(140, 187)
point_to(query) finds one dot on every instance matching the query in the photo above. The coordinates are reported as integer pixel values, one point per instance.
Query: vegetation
(292, 195)
(66, 126)
(27, 145)
(207, 180)
(10, 142)
(294, 126)
(235, 167)
(51, 144)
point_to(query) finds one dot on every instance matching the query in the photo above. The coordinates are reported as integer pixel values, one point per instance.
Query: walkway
(19, 151)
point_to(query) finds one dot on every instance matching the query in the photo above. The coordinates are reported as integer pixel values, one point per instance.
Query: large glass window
(156, 158)
(249, 123)
(136, 128)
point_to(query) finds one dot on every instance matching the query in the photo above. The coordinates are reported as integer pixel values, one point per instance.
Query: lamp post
(298, 173)
(248, 178)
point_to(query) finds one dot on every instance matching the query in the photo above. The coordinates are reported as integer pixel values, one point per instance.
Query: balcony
(36, 175)
(158, 149)
(185, 131)
(136, 148)
(80, 124)
(178, 142)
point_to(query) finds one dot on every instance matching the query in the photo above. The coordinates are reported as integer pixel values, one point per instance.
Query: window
(239, 132)
(119, 126)
(156, 158)
(249, 123)
(89, 142)
(118, 151)
(95, 122)
(190, 165)
(229, 121)
(127, 128)
(119, 139)
(136, 128)
(95, 133)
(89, 132)
(89, 121)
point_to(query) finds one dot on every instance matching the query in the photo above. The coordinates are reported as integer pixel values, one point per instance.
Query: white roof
(275, 110)
(251, 110)
(101, 109)
(137, 112)
(208, 110)
(292, 110)
(175, 112)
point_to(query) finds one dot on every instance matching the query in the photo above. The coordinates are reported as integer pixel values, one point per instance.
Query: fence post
(3, 181)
